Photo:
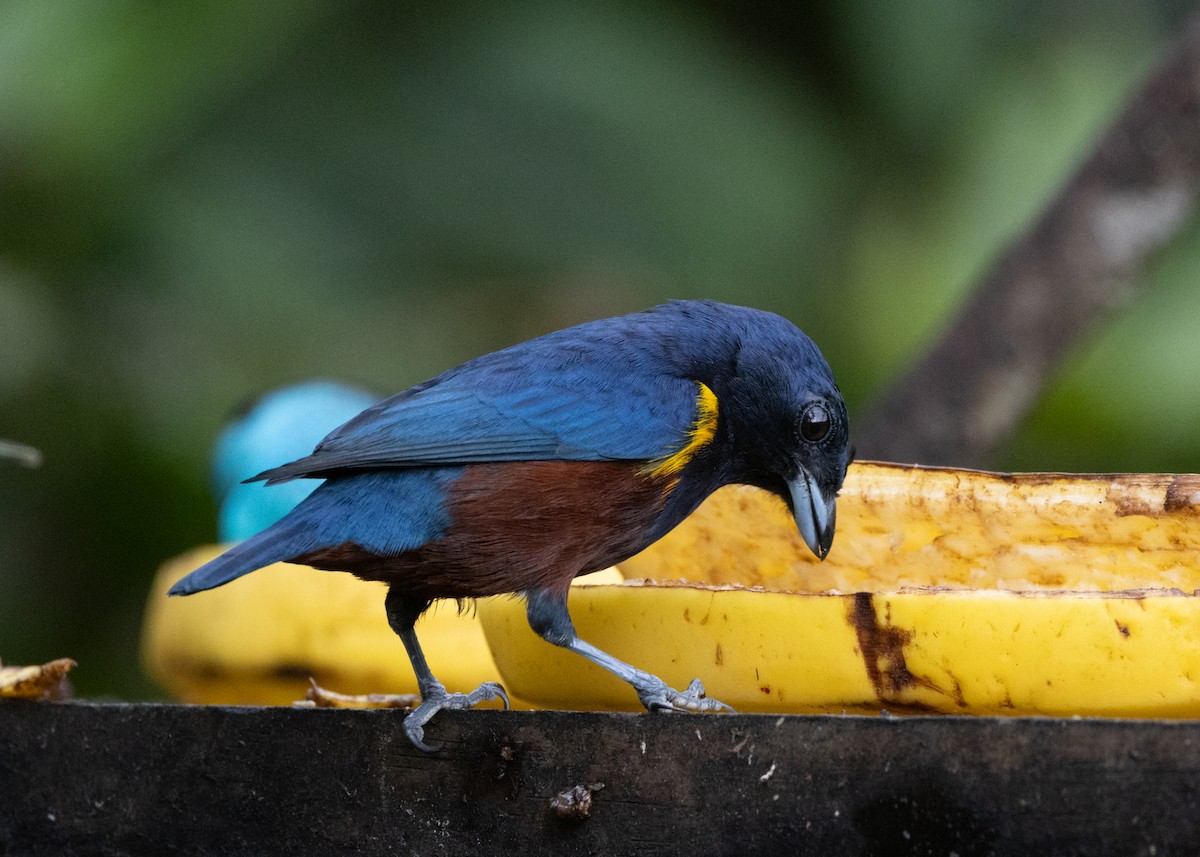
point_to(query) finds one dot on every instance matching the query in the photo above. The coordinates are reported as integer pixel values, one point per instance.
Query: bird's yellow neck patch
(701, 433)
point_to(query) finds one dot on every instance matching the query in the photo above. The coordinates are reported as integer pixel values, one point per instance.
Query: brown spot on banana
(1183, 494)
(882, 650)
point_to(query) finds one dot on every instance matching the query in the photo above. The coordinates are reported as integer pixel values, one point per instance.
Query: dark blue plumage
(620, 388)
(523, 468)
(386, 512)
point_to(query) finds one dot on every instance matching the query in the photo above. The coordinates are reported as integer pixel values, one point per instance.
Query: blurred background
(202, 201)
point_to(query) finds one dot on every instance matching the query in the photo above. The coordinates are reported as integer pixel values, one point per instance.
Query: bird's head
(814, 471)
(788, 431)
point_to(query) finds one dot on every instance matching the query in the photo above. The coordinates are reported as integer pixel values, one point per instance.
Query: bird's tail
(271, 545)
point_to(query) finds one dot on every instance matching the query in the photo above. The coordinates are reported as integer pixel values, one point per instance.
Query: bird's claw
(661, 697)
(437, 700)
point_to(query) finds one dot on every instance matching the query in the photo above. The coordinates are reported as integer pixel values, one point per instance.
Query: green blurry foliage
(206, 200)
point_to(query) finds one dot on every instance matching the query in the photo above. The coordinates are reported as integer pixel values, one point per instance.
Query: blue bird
(556, 457)
(279, 426)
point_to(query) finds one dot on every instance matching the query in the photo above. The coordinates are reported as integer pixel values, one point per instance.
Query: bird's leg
(548, 616)
(402, 615)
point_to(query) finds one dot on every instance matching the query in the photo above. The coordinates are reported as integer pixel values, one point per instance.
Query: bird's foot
(656, 695)
(436, 699)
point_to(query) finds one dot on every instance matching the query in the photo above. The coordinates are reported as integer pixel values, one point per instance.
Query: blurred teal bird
(557, 457)
(277, 427)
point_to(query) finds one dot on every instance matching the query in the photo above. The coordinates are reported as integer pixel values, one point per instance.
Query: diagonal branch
(1056, 282)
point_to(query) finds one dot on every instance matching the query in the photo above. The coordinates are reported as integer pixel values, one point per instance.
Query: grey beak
(814, 515)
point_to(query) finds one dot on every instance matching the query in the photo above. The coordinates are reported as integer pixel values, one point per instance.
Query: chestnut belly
(517, 526)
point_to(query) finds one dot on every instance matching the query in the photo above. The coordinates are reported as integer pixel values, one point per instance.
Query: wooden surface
(110, 779)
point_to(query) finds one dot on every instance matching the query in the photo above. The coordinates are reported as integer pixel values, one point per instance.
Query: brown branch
(1075, 266)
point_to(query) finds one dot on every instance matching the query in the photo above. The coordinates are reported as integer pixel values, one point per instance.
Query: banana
(946, 590)
(258, 640)
(976, 652)
(739, 641)
(42, 681)
(913, 526)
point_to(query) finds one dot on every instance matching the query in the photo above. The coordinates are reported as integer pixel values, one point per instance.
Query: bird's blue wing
(583, 412)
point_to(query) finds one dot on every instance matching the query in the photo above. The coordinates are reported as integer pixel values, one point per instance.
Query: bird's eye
(814, 423)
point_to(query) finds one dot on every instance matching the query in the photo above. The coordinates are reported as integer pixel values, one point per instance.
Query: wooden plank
(80, 778)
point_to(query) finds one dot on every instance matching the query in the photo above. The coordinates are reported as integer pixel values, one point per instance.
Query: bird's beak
(815, 515)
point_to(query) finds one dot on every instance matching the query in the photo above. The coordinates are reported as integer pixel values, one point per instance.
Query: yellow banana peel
(915, 526)
(946, 590)
(258, 639)
(976, 652)
(40, 681)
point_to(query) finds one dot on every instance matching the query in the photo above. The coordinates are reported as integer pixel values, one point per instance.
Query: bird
(556, 457)
(273, 428)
